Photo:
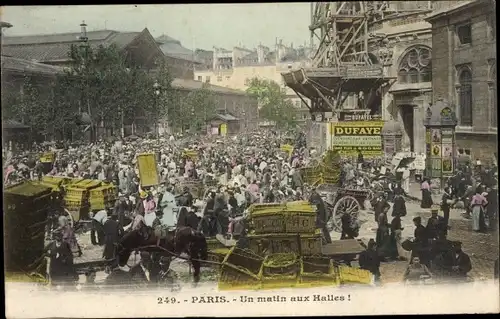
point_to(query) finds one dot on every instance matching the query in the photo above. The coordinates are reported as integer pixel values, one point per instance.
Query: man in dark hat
(370, 260)
(61, 261)
(457, 262)
(321, 214)
(112, 234)
(420, 242)
(380, 205)
(435, 224)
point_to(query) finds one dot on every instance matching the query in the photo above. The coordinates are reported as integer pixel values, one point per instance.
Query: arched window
(415, 67)
(465, 97)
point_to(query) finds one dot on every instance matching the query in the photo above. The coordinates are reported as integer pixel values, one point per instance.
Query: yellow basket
(87, 184)
(72, 204)
(76, 193)
(57, 180)
(354, 275)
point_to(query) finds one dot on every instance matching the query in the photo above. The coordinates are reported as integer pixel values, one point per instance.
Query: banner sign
(48, 157)
(148, 170)
(349, 137)
(355, 116)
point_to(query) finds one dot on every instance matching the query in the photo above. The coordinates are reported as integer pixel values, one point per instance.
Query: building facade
(464, 68)
(235, 68)
(401, 39)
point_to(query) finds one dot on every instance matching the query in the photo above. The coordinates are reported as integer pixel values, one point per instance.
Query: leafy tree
(273, 104)
(199, 106)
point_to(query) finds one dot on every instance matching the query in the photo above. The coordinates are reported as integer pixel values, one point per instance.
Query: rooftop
(198, 85)
(55, 47)
(173, 48)
(27, 66)
(453, 9)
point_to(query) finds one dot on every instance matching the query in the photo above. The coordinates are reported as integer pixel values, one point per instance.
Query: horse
(169, 244)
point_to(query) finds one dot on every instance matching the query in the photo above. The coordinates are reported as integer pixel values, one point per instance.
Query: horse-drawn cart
(325, 177)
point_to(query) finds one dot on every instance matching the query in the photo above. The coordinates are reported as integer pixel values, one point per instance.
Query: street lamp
(156, 90)
(243, 113)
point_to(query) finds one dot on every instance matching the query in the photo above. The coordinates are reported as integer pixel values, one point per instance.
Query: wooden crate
(285, 243)
(236, 278)
(272, 222)
(76, 193)
(300, 222)
(87, 184)
(217, 256)
(245, 259)
(241, 269)
(292, 217)
(317, 271)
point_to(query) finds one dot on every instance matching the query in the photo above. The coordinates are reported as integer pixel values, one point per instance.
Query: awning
(226, 117)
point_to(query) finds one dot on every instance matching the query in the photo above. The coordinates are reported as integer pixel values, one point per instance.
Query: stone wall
(448, 57)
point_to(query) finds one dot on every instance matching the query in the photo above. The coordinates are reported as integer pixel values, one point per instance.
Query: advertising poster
(447, 165)
(349, 137)
(436, 136)
(447, 136)
(447, 150)
(148, 172)
(223, 129)
(436, 150)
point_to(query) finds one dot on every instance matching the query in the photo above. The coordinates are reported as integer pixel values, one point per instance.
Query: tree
(273, 104)
(199, 107)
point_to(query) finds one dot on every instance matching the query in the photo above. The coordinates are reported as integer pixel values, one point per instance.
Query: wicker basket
(285, 243)
(317, 271)
(245, 259)
(268, 222)
(76, 193)
(351, 275)
(300, 222)
(87, 184)
(240, 269)
(217, 256)
(280, 264)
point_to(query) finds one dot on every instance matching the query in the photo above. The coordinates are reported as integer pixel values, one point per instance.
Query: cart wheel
(345, 205)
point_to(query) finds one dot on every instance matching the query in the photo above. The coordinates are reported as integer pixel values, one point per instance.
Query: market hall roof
(25, 66)
(173, 48)
(198, 85)
(55, 47)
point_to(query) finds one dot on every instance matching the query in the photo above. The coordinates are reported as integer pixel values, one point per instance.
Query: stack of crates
(102, 197)
(77, 198)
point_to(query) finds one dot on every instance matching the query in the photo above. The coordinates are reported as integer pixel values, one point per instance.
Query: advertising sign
(148, 170)
(287, 148)
(349, 137)
(47, 157)
(354, 116)
(223, 129)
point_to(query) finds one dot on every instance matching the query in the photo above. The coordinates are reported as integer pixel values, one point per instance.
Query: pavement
(482, 248)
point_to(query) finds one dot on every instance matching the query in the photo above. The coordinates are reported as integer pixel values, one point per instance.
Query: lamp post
(157, 92)
(243, 113)
(192, 128)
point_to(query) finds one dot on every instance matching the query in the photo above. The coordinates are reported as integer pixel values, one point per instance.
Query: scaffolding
(342, 64)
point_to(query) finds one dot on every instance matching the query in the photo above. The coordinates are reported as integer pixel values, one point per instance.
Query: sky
(195, 25)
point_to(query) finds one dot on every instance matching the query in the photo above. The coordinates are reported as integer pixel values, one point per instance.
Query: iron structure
(342, 64)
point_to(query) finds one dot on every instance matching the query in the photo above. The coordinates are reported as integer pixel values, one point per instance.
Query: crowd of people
(236, 172)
